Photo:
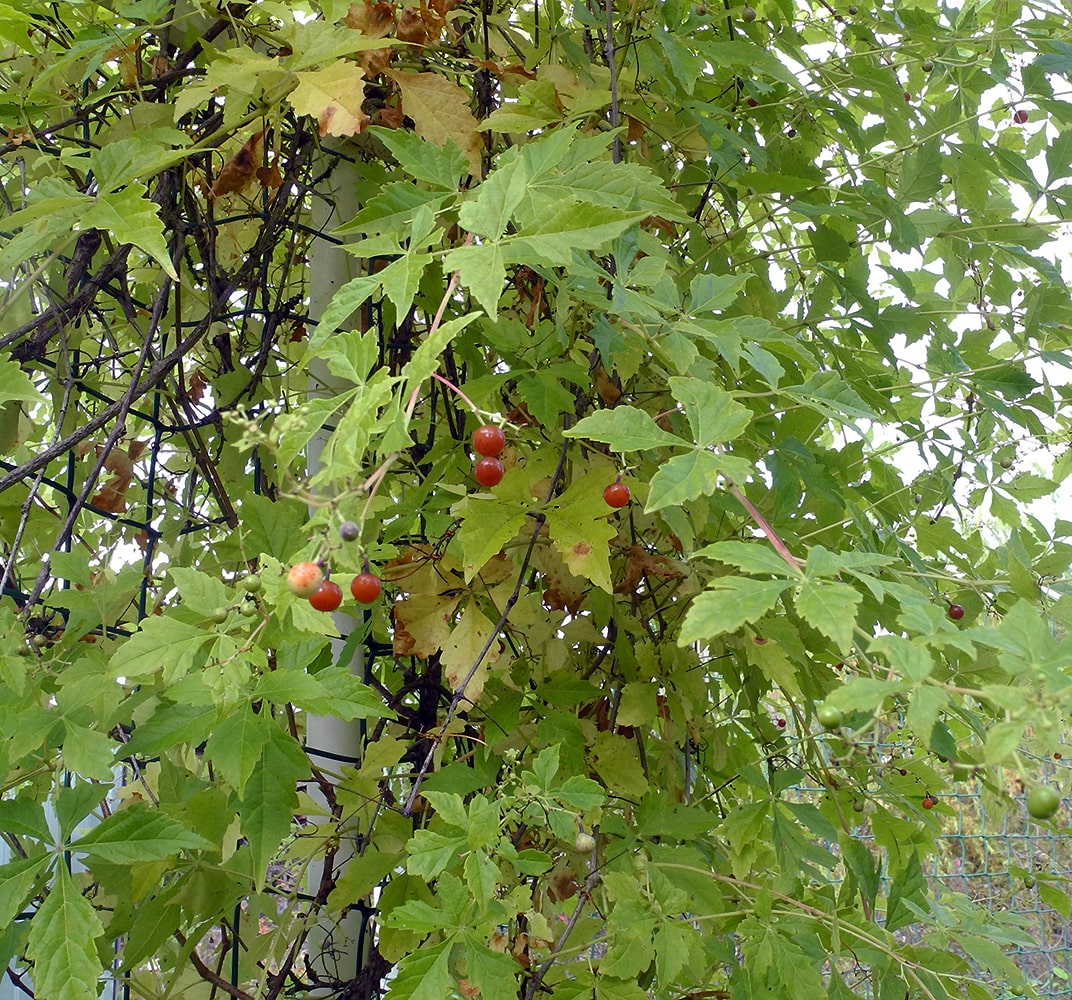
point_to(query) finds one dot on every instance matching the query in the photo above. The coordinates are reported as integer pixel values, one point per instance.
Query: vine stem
(459, 691)
(450, 385)
(772, 536)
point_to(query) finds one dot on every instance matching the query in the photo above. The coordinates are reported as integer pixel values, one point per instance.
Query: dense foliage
(786, 280)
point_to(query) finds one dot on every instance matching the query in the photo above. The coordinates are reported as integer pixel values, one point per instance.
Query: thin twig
(608, 46)
(459, 691)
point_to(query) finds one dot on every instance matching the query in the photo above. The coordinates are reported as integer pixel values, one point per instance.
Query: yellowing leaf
(463, 647)
(333, 97)
(440, 112)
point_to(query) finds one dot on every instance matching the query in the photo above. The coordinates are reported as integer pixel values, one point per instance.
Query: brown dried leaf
(269, 176)
(390, 117)
(412, 28)
(112, 496)
(635, 129)
(642, 563)
(237, 172)
(562, 885)
(195, 390)
(608, 389)
(373, 20)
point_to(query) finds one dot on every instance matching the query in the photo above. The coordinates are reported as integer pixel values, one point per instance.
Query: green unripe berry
(926, 65)
(748, 14)
(252, 584)
(829, 717)
(1042, 801)
(219, 616)
(249, 609)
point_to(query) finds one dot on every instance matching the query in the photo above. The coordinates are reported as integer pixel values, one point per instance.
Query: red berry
(929, 802)
(304, 579)
(488, 471)
(328, 597)
(366, 587)
(780, 723)
(1020, 117)
(489, 440)
(955, 612)
(616, 494)
(751, 102)
(907, 96)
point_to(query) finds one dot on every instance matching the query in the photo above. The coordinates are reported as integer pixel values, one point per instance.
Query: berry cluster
(308, 579)
(488, 442)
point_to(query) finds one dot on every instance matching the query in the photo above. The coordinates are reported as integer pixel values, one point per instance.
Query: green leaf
(450, 808)
(617, 761)
(88, 752)
(579, 792)
(431, 853)
(424, 974)
(687, 477)
(23, 817)
(344, 303)
(581, 533)
(911, 660)
(711, 292)
(161, 640)
(906, 894)
(714, 416)
(488, 212)
(15, 384)
(428, 356)
(727, 605)
(131, 218)
(237, 743)
(569, 228)
(400, 280)
(1002, 740)
(923, 711)
(830, 607)
(18, 880)
(62, 943)
(482, 270)
(752, 557)
(625, 428)
(270, 799)
(441, 166)
(491, 972)
(138, 833)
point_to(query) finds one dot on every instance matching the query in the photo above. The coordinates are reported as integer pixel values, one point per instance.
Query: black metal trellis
(272, 293)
